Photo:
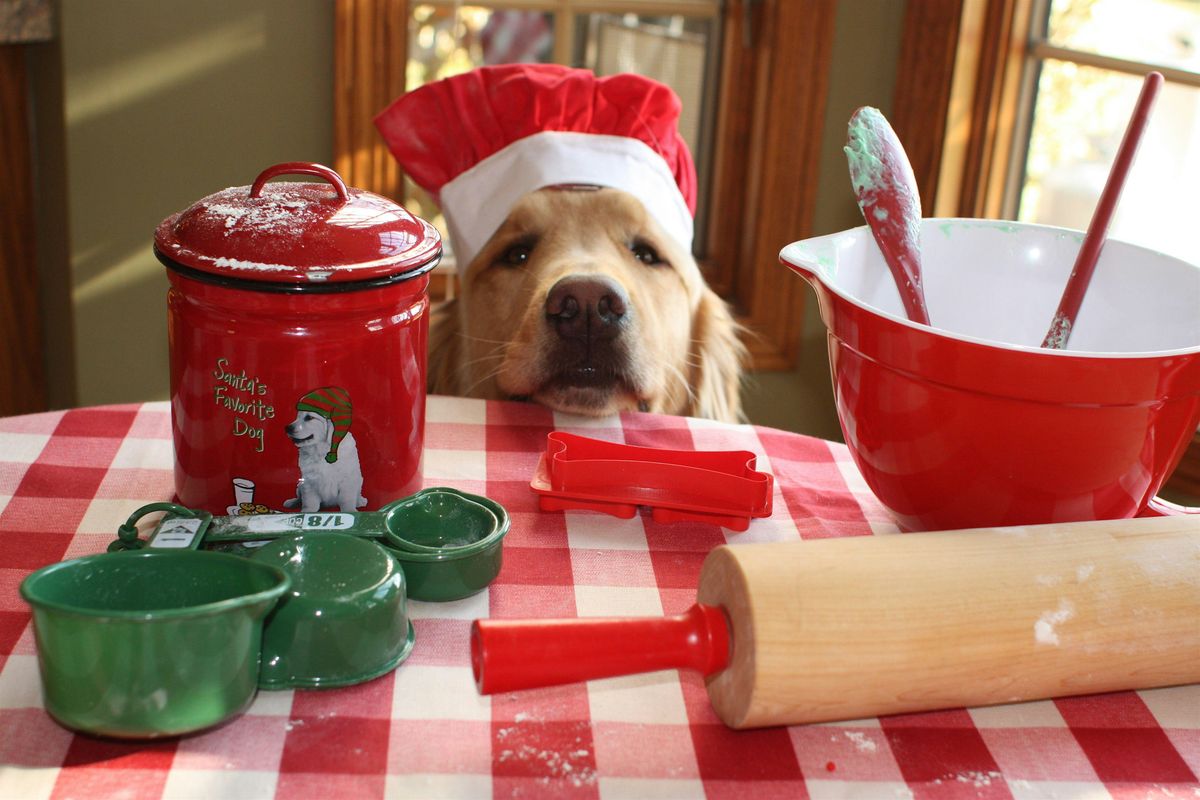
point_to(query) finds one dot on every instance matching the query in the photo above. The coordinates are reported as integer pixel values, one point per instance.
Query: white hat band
(477, 202)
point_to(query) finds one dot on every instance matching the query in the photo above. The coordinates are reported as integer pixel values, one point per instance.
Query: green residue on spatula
(866, 170)
(870, 176)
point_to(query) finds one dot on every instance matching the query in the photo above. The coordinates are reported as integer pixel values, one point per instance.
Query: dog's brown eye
(645, 253)
(515, 256)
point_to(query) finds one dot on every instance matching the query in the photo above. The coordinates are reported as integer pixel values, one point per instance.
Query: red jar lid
(306, 235)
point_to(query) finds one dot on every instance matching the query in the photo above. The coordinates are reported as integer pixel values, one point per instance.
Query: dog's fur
(322, 484)
(634, 326)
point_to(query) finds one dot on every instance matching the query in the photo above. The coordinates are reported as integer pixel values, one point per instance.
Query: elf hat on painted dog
(480, 141)
(332, 403)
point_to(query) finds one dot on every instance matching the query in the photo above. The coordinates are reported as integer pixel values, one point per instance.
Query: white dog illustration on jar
(330, 474)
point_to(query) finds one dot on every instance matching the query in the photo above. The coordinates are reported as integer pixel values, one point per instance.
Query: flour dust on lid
(299, 233)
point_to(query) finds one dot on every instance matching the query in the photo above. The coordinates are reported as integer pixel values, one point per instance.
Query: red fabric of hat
(444, 128)
(451, 127)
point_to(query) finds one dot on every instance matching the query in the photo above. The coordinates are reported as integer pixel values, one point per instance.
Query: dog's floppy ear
(327, 430)
(717, 361)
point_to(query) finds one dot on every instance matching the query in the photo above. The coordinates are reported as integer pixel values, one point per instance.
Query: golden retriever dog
(582, 303)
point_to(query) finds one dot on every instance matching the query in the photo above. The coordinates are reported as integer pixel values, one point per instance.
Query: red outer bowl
(952, 430)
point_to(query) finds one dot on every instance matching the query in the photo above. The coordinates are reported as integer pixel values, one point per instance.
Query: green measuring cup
(150, 643)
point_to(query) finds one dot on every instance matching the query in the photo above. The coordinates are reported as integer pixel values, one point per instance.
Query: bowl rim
(785, 255)
(409, 546)
(383, 555)
(431, 555)
(28, 587)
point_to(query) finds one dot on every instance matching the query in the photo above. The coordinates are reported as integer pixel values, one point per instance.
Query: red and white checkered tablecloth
(68, 479)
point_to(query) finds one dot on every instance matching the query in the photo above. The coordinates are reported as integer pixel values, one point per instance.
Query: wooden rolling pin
(848, 628)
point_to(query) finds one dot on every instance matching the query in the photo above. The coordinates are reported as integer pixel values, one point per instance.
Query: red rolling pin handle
(507, 655)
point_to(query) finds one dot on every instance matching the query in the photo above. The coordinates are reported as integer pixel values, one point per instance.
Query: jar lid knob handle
(301, 168)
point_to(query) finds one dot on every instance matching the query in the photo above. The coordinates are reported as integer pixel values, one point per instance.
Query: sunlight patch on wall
(141, 75)
(136, 268)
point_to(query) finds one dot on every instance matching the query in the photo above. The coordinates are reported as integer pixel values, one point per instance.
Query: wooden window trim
(959, 88)
(767, 144)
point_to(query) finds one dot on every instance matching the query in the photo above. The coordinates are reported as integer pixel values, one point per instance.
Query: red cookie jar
(298, 325)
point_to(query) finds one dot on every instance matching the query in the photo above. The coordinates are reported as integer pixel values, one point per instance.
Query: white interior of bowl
(1000, 282)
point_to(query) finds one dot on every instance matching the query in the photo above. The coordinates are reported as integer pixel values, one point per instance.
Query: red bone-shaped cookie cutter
(717, 486)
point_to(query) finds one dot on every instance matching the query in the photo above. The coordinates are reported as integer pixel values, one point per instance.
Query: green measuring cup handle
(127, 534)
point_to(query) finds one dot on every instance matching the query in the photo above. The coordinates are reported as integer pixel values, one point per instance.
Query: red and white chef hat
(480, 141)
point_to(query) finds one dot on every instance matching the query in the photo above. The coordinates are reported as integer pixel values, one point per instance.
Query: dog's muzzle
(589, 314)
(291, 430)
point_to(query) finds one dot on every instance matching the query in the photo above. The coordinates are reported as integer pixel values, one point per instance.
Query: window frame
(772, 89)
(960, 77)
(967, 70)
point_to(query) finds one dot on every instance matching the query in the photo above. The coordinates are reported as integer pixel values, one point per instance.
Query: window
(1033, 97)
(764, 64)
(1086, 62)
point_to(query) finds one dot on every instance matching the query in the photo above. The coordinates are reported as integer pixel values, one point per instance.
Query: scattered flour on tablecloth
(573, 765)
(1044, 629)
(978, 779)
(974, 777)
(861, 742)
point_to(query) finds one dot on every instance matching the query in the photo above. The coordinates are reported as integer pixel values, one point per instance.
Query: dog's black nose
(587, 306)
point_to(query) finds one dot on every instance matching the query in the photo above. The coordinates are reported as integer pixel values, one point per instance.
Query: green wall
(863, 73)
(164, 103)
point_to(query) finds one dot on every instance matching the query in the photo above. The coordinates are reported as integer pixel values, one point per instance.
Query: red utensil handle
(507, 655)
(1097, 232)
(300, 168)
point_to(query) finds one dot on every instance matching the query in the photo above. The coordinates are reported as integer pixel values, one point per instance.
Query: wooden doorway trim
(21, 346)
